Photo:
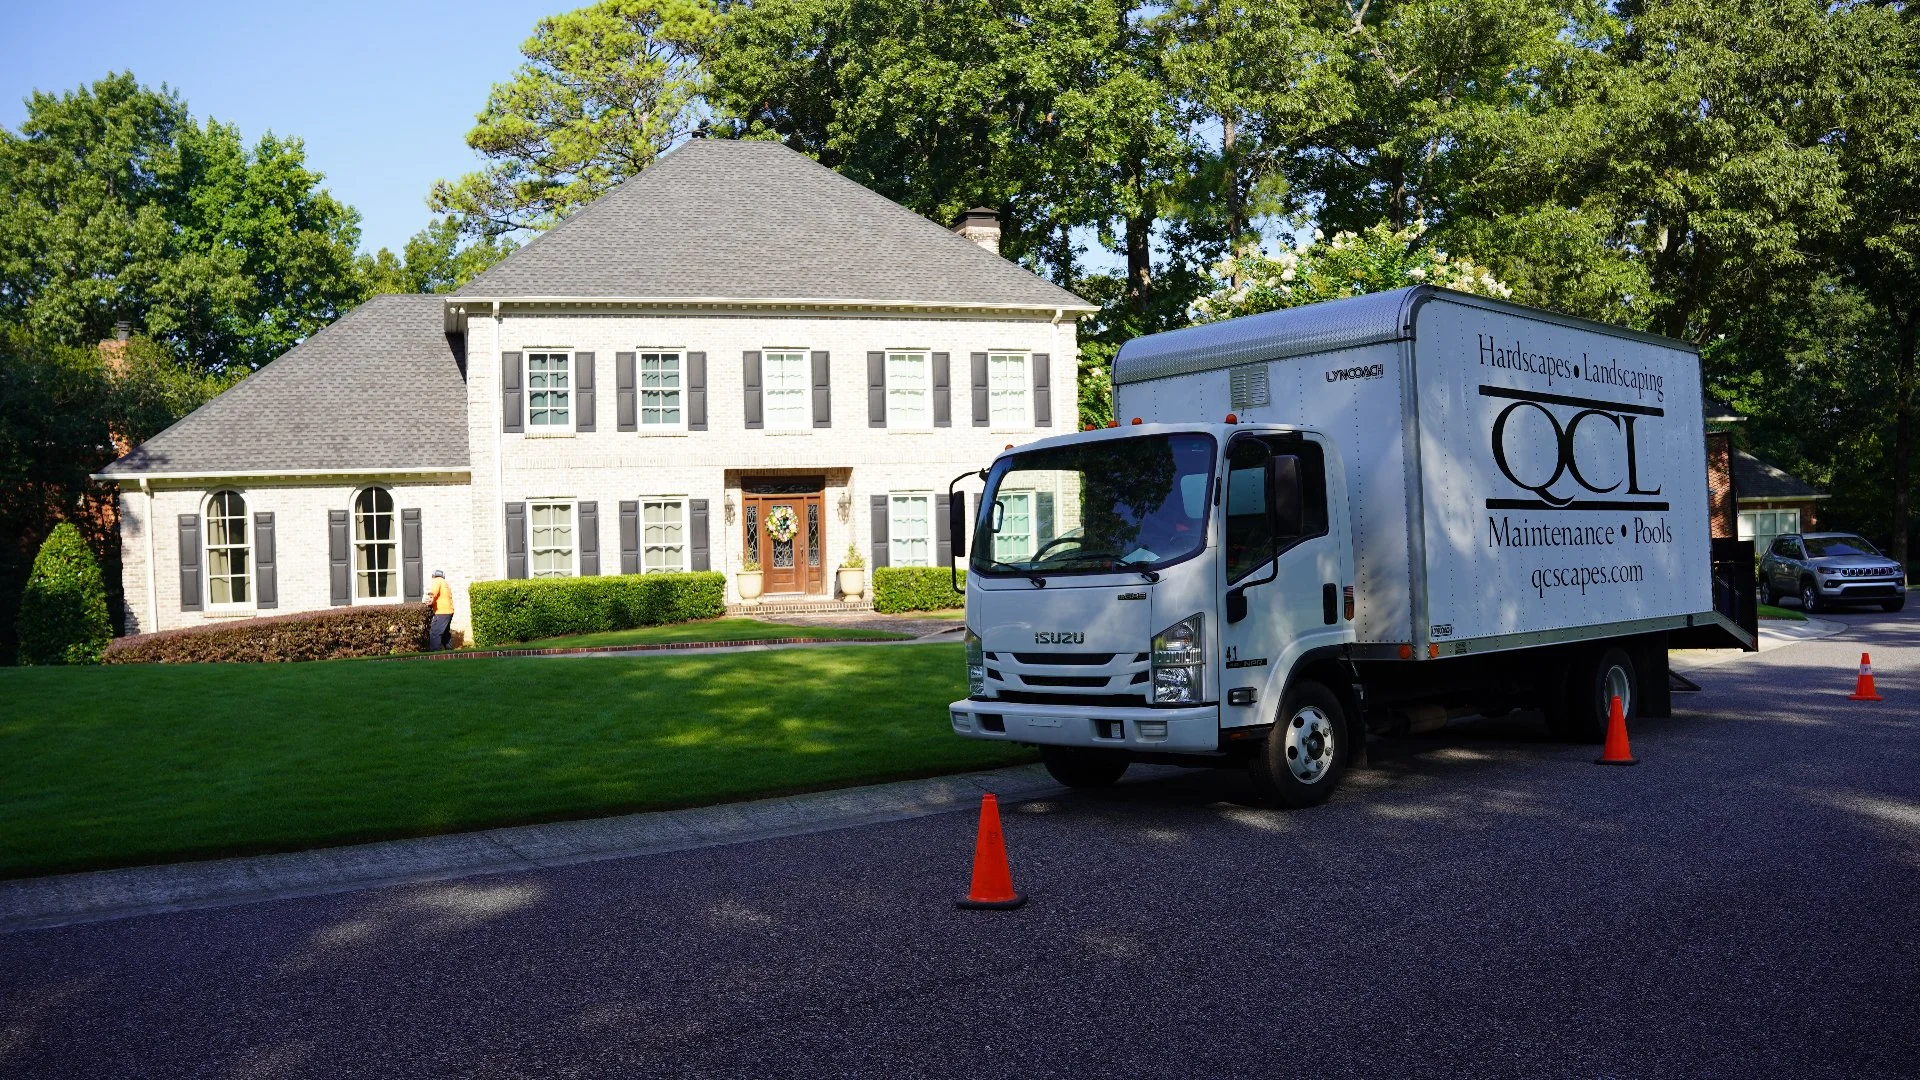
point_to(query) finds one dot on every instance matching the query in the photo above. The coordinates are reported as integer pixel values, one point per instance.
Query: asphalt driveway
(1483, 902)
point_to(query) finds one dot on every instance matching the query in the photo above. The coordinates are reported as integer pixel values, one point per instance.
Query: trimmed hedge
(529, 609)
(278, 639)
(63, 612)
(916, 588)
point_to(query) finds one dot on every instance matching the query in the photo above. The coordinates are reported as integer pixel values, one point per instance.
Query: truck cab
(1151, 591)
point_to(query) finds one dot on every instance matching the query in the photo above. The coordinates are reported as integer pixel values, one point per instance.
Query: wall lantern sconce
(728, 506)
(846, 505)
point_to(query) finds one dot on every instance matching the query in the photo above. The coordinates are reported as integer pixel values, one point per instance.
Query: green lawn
(1768, 611)
(704, 630)
(120, 765)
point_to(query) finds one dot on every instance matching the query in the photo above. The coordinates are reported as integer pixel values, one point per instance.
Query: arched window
(374, 558)
(227, 555)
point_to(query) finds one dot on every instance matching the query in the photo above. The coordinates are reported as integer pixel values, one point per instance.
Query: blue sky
(383, 93)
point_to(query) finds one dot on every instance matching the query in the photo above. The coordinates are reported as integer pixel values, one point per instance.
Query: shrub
(854, 560)
(278, 639)
(916, 588)
(63, 612)
(530, 609)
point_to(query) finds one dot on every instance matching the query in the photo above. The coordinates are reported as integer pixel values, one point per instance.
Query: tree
(115, 204)
(1349, 264)
(436, 260)
(63, 613)
(605, 90)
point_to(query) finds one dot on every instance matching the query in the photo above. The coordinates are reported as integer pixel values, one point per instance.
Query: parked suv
(1823, 569)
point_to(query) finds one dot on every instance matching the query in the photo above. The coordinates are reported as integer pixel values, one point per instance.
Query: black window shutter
(876, 389)
(583, 391)
(696, 391)
(266, 574)
(339, 558)
(942, 389)
(1042, 518)
(512, 411)
(413, 583)
(822, 390)
(1042, 390)
(189, 562)
(516, 540)
(589, 539)
(630, 536)
(942, 534)
(979, 389)
(625, 407)
(880, 518)
(700, 552)
(750, 383)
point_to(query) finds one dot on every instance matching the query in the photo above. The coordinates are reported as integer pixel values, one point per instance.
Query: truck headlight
(976, 665)
(1178, 656)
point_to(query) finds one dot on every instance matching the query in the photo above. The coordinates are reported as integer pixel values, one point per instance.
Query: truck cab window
(1251, 542)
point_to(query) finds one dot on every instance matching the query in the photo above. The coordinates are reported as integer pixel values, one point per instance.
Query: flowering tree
(1380, 258)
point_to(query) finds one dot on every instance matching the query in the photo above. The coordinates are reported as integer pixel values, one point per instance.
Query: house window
(374, 560)
(660, 389)
(1007, 389)
(663, 536)
(907, 381)
(1761, 526)
(1013, 540)
(548, 391)
(552, 546)
(784, 380)
(227, 553)
(910, 532)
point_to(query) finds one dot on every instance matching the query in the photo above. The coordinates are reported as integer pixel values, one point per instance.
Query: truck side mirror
(1283, 496)
(957, 524)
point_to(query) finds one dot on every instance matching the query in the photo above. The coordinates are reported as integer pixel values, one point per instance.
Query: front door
(783, 525)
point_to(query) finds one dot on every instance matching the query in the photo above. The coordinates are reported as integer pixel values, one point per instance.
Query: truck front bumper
(1172, 731)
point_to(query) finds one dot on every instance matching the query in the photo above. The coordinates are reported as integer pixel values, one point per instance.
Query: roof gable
(718, 219)
(1757, 479)
(379, 389)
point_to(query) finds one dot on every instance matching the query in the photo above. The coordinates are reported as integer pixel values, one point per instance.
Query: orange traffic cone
(1617, 751)
(1863, 686)
(992, 881)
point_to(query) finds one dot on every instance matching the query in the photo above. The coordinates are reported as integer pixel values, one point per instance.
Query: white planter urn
(853, 584)
(748, 582)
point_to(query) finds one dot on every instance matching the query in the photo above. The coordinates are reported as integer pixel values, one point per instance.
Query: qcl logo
(1566, 449)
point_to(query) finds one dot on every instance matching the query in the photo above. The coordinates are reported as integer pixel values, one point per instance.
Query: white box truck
(1370, 514)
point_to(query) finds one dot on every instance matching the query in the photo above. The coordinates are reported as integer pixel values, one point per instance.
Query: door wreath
(781, 524)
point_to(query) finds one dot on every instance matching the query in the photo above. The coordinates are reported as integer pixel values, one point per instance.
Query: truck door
(1281, 562)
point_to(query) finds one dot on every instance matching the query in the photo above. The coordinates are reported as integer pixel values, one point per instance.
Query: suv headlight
(1179, 654)
(976, 665)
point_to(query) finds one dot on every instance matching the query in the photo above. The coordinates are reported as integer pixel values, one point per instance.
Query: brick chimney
(982, 226)
(114, 349)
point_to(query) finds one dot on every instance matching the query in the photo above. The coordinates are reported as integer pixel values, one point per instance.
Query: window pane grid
(373, 545)
(551, 549)
(660, 389)
(909, 538)
(784, 384)
(548, 392)
(1007, 389)
(907, 389)
(227, 554)
(663, 546)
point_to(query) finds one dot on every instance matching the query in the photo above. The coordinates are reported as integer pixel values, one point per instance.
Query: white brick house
(736, 330)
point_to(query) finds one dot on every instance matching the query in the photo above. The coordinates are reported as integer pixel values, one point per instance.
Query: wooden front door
(797, 564)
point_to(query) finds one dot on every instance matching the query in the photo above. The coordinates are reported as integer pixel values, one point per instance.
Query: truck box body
(1514, 478)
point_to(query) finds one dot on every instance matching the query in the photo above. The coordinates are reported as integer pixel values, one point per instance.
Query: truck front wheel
(1306, 752)
(1083, 768)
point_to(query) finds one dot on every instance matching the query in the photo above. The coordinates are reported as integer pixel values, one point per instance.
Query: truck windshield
(1096, 507)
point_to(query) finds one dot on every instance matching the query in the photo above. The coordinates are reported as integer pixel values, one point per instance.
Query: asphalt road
(1482, 902)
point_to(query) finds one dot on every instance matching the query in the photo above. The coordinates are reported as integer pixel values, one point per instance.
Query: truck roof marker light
(1113, 423)
(1009, 446)
(1433, 652)
(1232, 419)
(1136, 420)
(1406, 652)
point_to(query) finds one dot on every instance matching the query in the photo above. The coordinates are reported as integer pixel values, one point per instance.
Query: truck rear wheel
(1592, 681)
(1083, 769)
(1306, 752)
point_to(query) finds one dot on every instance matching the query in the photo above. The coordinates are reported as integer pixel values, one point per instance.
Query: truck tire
(1592, 680)
(1809, 597)
(1083, 769)
(1306, 753)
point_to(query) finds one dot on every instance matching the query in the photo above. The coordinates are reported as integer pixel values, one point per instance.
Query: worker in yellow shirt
(440, 633)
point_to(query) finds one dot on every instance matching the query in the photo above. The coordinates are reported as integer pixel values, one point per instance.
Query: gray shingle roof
(381, 388)
(719, 218)
(1755, 479)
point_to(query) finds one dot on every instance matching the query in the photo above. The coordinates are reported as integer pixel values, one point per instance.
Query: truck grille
(1097, 679)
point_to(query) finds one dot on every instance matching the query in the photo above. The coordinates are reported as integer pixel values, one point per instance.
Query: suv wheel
(1765, 589)
(1809, 597)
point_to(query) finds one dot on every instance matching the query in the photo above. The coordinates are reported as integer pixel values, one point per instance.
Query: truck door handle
(1330, 603)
